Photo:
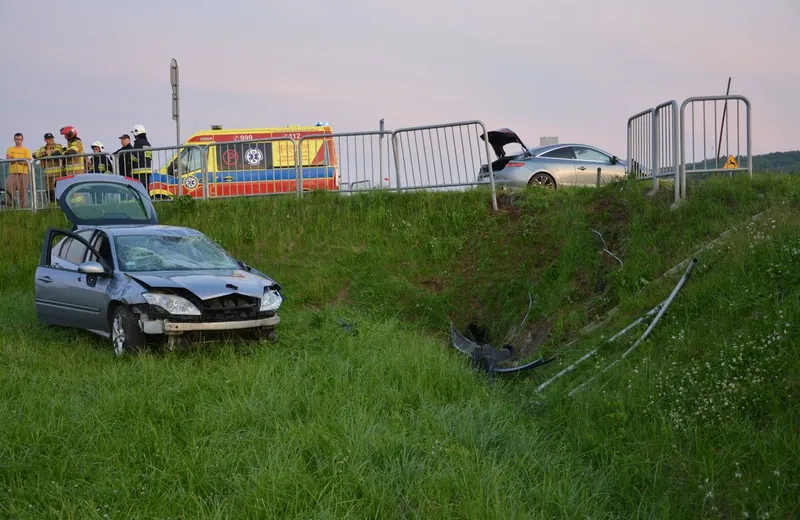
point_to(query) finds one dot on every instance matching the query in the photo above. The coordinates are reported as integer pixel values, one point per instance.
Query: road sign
(731, 163)
(173, 80)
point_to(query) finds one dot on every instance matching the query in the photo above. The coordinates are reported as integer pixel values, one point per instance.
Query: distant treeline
(779, 162)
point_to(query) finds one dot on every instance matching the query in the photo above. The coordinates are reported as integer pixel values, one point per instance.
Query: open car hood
(500, 138)
(98, 199)
(207, 284)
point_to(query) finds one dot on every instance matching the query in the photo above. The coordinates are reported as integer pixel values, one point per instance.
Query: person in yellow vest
(74, 165)
(18, 171)
(52, 168)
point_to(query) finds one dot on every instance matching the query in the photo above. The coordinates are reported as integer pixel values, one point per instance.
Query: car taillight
(515, 164)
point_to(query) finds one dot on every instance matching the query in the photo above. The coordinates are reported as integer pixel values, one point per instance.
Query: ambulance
(253, 161)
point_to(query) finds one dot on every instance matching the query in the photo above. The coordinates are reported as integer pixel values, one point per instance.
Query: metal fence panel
(642, 145)
(347, 162)
(253, 167)
(50, 168)
(18, 184)
(712, 146)
(667, 131)
(167, 171)
(446, 156)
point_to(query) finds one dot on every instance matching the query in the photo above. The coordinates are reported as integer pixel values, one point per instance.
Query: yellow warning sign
(731, 163)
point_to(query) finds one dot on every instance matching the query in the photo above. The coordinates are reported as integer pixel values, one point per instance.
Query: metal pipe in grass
(605, 249)
(647, 332)
(592, 352)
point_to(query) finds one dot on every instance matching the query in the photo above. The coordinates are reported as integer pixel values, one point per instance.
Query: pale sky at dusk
(571, 68)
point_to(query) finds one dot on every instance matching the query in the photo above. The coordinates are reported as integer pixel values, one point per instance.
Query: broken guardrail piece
(487, 357)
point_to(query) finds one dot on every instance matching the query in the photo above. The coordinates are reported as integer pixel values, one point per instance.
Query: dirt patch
(533, 337)
(342, 296)
(607, 208)
(434, 285)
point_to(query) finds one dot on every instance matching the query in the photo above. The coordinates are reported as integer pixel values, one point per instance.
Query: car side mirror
(614, 159)
(95, 268)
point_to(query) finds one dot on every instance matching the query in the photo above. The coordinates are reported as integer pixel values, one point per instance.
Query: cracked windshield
(138, 253)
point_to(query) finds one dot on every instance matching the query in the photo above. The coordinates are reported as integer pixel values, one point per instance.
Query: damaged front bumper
(165, 326)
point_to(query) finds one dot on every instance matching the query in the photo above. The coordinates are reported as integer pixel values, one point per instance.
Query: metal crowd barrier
(49, 168)
(19, 187)
(349, 162)
(657, 140)
(441, 156)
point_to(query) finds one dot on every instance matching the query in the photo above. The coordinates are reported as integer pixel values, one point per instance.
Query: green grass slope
(384, 419)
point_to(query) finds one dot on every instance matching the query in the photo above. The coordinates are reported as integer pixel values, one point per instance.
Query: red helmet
(69, 132)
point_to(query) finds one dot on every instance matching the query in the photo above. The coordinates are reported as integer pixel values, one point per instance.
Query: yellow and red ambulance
(253, 161)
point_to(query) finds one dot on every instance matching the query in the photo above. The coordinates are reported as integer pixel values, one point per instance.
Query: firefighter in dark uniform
(125, 160)
(143, 160)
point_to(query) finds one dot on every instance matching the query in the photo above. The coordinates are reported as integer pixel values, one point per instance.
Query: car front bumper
(164, 326)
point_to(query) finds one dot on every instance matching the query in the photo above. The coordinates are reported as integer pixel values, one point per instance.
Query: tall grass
(382, 418)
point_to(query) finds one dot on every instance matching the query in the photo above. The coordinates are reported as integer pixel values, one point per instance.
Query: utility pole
(173, 80)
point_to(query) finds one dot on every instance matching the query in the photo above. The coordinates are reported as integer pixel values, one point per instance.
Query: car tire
(542, 179)
(126, 336)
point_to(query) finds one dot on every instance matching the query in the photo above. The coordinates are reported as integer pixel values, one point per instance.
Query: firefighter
(52, 168)
(125, 160)
(143, 160)
(100, 163)
(74, 147)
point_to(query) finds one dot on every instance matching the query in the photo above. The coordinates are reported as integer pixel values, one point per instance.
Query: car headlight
(271, 301)
(171, 303)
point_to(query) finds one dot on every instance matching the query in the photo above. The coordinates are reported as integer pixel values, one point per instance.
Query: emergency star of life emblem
(190, 182)
(253, 156)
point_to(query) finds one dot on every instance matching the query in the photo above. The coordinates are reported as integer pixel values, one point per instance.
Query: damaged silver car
(121, 275)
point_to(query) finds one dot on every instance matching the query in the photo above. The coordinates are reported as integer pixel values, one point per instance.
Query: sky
(576, 69)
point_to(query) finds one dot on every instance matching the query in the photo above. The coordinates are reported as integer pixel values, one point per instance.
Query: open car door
(90, 199)
(69, 290)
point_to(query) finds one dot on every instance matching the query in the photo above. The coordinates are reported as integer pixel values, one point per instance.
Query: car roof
(548, 147)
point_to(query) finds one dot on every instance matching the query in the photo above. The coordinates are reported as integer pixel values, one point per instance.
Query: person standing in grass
(18, 171)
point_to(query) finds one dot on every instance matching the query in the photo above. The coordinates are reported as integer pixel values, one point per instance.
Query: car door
(587, 161)
(560, 162)
(63, 294)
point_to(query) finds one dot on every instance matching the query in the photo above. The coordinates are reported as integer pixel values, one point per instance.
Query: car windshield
(139, 253)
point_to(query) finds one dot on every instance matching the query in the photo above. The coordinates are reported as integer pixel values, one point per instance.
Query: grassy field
(383, 419)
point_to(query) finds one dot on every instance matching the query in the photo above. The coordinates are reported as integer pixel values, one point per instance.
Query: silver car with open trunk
(120, 274)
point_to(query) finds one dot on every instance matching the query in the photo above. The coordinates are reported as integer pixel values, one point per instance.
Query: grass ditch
(387, 420)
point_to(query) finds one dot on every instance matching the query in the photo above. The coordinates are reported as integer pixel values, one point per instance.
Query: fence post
(396, 161)
(598, 176)
(654, 145)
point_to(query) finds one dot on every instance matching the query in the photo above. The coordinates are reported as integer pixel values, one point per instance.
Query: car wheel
(126, 336)
(542, 179)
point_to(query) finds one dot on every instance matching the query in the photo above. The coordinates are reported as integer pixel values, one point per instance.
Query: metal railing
(349, 162)
(253, 167)
(446, 156)
(166, 171)
(642, 145)
(657, 140)
(712, 143)
(48, 169)
(18, 187)
(667, 136)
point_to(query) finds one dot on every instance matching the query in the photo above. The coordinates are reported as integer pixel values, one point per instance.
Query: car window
(248, 156)
(103, 247)
(75, 253)
(191, 159)
(587, 154)
(560, 153)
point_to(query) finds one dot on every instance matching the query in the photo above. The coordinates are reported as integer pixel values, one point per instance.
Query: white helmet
(138, 129)
(99, 145)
